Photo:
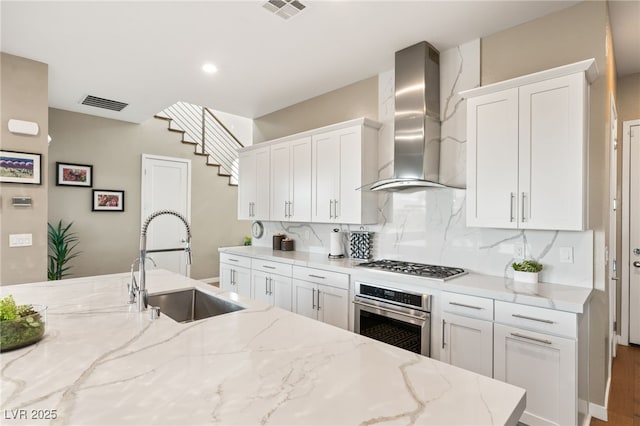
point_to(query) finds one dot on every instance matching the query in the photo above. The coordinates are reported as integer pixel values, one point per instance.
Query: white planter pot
(525, 277)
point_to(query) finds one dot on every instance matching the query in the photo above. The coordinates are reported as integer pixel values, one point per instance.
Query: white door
(300, 181)
(551, 152)
(325, 176)
(333, 306)
(260, 287)
(280, 175)
(166, 185)
(492, 160)
(304, 299)
(468, 343)
(280, 289)
(634, 235)
(543, 365)
(349, 202)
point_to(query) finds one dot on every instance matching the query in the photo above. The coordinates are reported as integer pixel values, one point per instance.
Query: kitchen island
(102, 363)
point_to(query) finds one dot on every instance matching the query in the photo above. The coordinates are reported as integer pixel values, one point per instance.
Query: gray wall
(574, 34)
(109, 241)
(24, 97)
(356, 100)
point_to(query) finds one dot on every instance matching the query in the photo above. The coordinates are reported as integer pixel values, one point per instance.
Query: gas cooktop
(442, 273)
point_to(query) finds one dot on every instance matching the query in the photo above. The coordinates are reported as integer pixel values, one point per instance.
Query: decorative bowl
(23, 331)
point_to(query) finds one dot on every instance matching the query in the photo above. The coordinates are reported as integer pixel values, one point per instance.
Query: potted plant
(526, 271)
(62, 244)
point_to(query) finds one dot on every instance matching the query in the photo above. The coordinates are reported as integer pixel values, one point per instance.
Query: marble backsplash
(429, 226)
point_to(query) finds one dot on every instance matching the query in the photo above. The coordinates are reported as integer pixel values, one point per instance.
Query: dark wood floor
(624, 395)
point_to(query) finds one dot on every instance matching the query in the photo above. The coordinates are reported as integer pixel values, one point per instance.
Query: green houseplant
(62, 245)
(526, 271)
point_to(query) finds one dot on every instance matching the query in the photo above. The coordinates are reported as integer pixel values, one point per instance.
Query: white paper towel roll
(335, 244)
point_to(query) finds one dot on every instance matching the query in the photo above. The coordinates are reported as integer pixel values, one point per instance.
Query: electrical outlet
(20, 240)
(518, 251)
(566, 254)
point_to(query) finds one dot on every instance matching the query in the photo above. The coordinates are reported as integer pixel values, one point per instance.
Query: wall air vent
(103, 103)
(284, 8)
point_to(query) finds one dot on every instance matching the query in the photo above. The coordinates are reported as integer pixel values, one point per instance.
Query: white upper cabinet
(526, 154)
(291, 180)
(312, 176)
(253, 184)
(344, 160)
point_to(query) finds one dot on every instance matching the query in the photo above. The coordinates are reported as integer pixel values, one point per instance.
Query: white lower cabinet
(545, 365)
(313, 297)
(467, 343)
(271, 289)
(467, 332)
(235, 274)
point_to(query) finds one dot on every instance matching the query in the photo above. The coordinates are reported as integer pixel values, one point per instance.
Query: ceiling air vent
(284, 8)
(103, 103)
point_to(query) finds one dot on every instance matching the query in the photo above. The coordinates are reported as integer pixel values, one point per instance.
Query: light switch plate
(518, 251)
(20, 240)
(566, 254)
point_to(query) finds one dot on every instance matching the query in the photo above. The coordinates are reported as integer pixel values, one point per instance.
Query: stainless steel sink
(191, 305)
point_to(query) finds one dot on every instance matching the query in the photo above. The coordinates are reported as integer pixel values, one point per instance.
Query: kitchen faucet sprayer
(142, 290)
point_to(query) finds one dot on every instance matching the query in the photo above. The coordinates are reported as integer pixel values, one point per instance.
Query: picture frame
(107, 200)
(70, 174)
(20, 167)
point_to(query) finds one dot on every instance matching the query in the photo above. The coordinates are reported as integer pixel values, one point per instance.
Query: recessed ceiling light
(209, 68)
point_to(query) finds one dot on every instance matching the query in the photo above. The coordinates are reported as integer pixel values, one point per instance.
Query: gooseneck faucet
(142, 288)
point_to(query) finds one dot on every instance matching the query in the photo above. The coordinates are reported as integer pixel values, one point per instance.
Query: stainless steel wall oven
(397, 317)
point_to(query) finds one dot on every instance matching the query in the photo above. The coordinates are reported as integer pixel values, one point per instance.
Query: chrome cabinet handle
(268, 267)
(286, 204)
(524, 194)
(465, 306)
(233, 260)
(313, 298)
(266, 285)
(270, 286)
(522, 336)
(443, 322)
(330, 209)
(317, 276)
(290, 208)
(546, 321)
(318, 302)
(511, 216)
(335, 209)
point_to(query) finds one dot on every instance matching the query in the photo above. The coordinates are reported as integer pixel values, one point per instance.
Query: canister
(277, 241)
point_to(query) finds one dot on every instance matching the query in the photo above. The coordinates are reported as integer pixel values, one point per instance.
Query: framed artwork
(69, 174)
(107, 200)
(20, 167)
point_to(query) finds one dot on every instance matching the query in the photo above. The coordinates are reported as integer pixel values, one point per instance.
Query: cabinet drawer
(335, 279)
(537, 319)
(271, 267)
(232, 259)
(468, 306)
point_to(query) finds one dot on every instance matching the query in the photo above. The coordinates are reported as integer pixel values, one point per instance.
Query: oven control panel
(410, 299)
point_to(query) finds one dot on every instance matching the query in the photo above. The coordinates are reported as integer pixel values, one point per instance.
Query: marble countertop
(545, 295)
(103, 363)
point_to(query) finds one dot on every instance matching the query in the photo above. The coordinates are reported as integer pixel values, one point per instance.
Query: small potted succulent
(526, 271)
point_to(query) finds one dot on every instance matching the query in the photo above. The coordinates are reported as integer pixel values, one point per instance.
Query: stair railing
(201, 127)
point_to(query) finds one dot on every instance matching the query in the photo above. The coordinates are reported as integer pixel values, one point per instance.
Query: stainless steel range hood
(416, 121)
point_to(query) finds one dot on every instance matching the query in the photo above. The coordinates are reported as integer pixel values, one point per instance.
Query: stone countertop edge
(545, 295)
(102, 363)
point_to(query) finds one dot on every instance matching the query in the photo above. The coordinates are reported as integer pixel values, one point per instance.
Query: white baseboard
(599, 411)
(587, 420)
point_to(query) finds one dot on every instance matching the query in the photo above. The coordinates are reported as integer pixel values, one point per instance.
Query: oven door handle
(380, 308)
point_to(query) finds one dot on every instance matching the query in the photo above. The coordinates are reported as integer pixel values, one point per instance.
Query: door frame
(613, 228)
(626, 222)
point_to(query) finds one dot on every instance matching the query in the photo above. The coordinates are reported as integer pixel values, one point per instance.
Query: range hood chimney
(416, 121)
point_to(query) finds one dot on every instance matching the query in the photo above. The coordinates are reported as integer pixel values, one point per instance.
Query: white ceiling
(149, 54)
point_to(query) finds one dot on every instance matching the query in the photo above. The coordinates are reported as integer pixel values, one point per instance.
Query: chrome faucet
(133, 284)
(141, 292)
